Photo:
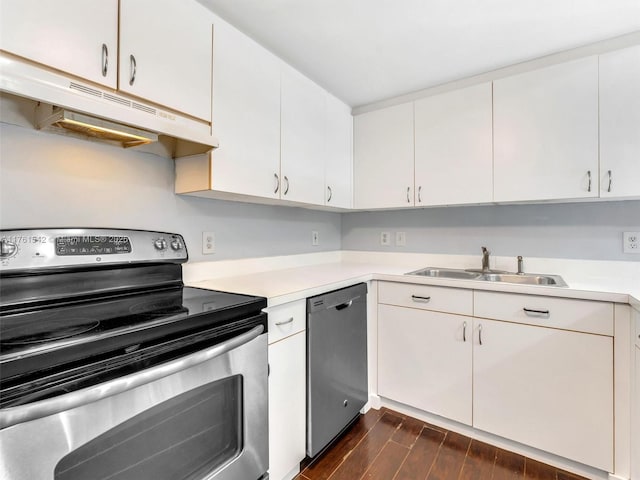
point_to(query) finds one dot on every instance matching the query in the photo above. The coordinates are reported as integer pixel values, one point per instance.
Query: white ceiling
(364, 51)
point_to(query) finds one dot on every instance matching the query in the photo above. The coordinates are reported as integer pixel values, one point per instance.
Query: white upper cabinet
(338, 156)
(454, 153)
(383, 158)
(546, 133)
(246, 115)
(166, 54)
(79, 37)
(303, 114)
(620, 123)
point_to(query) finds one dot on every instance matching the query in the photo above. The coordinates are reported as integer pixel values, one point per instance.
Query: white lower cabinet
(536, 370)
(635, 403)
(548, 388)
(287, 389)
(424, 360)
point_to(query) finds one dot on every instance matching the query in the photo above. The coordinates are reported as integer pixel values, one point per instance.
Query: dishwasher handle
(344, 305)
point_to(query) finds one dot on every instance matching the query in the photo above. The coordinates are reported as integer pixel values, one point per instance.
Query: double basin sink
(492, 276)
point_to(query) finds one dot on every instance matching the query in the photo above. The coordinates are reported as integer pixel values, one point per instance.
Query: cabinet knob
(277, 182)
(408, 190)
(330, 193)
(286, 182)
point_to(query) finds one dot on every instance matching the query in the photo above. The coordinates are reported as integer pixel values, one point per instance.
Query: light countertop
(333, 271)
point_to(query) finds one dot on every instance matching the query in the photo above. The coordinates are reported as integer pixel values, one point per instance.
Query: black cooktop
(87, 327)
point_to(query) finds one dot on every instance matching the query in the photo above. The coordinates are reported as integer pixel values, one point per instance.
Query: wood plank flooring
(386, 445)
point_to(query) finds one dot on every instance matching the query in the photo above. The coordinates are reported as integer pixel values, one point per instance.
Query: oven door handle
(43, 408)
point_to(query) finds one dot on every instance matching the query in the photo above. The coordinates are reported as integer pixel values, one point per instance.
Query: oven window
(184, 438)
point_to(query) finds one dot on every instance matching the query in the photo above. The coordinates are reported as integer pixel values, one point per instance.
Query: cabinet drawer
(567, 314)
(426, 297)
(286, 320)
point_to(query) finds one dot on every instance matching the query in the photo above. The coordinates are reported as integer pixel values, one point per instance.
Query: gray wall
(54, 180)
(578, 230)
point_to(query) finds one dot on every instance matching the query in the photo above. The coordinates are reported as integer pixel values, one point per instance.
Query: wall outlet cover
(631, 242)
(385, 238)
(208, 243)
(401, 239)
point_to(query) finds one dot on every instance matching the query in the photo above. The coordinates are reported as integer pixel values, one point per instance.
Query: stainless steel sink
(524, 278)
(492, 276)
(446, 273)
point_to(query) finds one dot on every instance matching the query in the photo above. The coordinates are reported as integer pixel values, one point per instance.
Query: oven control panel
(59, 247)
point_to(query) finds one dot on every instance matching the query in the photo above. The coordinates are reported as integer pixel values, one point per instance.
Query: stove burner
(47, 331)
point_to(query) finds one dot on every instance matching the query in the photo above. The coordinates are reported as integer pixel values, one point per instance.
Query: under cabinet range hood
(48, 116)
(64, 103)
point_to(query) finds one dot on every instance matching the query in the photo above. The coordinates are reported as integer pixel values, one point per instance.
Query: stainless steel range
(112, 369)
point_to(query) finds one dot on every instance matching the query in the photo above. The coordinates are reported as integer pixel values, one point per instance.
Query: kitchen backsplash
(586, 230)
(53, 180)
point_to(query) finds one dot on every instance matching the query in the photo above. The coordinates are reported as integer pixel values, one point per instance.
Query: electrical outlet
(385, 238)
(401, 239)
(315, 238)
(208, 243)
(631, 242)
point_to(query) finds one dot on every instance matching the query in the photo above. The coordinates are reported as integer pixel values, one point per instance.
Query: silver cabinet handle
(50, 406)
(417, 298)
(105, 59)
(330, 193)
(610, 180)
(286, 189)
(589, 177)
(480, 334)
(464, 332)
(284, 322)
(277, 182)
(133, 67)
(420, 194)
(532, 312)
(408, 190)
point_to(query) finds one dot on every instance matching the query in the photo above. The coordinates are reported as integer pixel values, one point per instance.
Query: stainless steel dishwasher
(337, 386)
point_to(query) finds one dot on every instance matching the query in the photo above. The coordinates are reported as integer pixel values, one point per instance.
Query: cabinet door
(166, 54)
(546, 133)
(246, 115)
(79, 37)
(547, 388)
(303, 117)
(339, 154)
(454, 151)
(287, 405)
(383, 158)
(620, 123)
(424, 360)
(635, 416)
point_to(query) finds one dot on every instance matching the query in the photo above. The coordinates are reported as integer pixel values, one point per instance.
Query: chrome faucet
(485, 259)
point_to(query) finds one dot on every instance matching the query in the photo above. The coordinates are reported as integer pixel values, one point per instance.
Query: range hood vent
(70, 104)
(48, 117)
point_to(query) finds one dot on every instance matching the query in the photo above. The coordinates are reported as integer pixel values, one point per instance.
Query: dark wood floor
(386, 445)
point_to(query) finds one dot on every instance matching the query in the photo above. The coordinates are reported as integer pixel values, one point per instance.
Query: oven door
(200, 417)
